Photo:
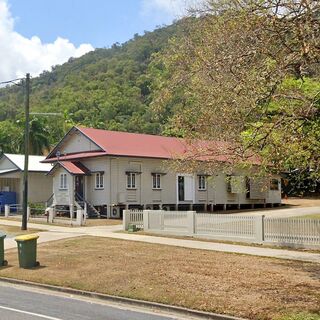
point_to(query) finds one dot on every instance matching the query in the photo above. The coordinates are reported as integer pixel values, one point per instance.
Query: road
(24, 303)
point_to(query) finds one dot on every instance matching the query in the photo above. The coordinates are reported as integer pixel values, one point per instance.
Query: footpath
(53, 233)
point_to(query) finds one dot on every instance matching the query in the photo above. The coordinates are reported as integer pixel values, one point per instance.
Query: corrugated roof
(135, 144)
(75, 167)
(116, 143)
(80, 155)
(34, 162)
(7, 171)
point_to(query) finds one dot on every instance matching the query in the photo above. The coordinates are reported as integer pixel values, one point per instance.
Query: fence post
(6, 210)
(125, 222)
(191, 222)
(79, 217)
(50, 214)
(162, 219)
(146, 220)
(260, 229)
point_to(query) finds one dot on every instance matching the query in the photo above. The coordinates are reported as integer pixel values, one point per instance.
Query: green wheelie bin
(2, 261)
(27, 250)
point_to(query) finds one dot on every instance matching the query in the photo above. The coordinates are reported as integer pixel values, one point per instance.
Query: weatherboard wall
(77, 142)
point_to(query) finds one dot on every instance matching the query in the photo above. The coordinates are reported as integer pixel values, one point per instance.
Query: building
(11, 177)
(109, 171)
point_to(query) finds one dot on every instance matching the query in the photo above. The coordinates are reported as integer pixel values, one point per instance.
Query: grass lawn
(89, 222)
(102, 222)
(245, 286)
(302, 202)
(15, 231)
(311, 216)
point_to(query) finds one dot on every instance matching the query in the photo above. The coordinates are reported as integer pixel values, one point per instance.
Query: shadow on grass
(312, 269)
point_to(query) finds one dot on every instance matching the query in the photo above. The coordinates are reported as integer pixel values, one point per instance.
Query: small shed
(11, 177)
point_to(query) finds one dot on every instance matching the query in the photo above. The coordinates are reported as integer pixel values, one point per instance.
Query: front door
(185, 187)
(79, 186)
(181, 188)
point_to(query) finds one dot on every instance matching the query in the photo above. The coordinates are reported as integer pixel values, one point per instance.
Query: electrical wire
(11, 81)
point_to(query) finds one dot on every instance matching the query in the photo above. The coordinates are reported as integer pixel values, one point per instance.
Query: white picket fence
(292, 230)
(133, 217)
(255, 229)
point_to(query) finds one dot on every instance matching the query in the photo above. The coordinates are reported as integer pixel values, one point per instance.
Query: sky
(38, 34)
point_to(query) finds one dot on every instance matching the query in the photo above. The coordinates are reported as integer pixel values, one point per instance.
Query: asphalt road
(23, 303)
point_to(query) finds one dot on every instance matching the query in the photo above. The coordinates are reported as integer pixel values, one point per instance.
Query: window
(202, 183)
(131, 180)
(99, 180)
(274, 184)
(156, 181)
(63, 181)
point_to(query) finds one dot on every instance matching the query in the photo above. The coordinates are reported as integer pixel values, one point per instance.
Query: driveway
(282, 212)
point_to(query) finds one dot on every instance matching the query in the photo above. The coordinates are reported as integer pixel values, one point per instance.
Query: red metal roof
(74, 156)
(127, 144)
(135, 144)
(74, 167)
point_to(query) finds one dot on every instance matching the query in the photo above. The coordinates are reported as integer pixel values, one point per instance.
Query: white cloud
(172, 8)
(19, 55)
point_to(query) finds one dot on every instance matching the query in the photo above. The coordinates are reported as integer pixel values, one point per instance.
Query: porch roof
(73, 167)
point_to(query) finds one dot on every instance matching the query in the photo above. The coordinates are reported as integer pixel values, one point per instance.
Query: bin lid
(27, 237)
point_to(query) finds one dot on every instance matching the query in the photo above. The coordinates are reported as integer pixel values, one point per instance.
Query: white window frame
(63, 185)
(99, 181)
(156, 181)
(202, 183)
(131, 180)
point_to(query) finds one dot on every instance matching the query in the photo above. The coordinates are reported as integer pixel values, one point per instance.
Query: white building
(111, 171)
(11, 177)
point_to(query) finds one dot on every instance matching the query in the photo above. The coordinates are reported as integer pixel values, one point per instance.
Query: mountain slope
(106, 88)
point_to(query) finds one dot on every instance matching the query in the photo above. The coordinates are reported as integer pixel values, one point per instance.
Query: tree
(10, 137)
(247, 73)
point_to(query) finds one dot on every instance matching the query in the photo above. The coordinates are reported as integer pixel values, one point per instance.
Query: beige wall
(62, 197)
(77, 142)
(97, 196)
(5, 164)
(115, 190)
(40, 187)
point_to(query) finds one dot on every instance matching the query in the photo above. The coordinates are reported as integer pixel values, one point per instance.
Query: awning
(73, 167)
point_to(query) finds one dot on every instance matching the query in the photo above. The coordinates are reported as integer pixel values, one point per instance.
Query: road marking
(30, 313)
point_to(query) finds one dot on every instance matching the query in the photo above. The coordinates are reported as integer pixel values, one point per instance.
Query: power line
(11, 81)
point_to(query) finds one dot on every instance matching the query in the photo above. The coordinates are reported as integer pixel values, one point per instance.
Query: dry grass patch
(302, 202)
(15, 231)
(246, 286)
(310, 216)
(102, 222)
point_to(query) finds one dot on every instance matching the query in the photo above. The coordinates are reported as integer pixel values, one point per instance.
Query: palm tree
(39, 136)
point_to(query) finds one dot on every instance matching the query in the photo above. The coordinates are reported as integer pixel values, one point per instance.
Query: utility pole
(26, 155)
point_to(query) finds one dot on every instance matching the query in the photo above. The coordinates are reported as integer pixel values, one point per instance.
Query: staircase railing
(87, 206)
(49, 202)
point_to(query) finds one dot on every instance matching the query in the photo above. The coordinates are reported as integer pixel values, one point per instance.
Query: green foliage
(106, 88)
(300, 316)
(36, 208)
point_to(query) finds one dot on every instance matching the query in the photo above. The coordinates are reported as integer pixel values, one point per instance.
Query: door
(185, 188)
(79, 186)
(181, 188)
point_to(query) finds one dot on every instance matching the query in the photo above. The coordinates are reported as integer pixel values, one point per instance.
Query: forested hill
(106, 88)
